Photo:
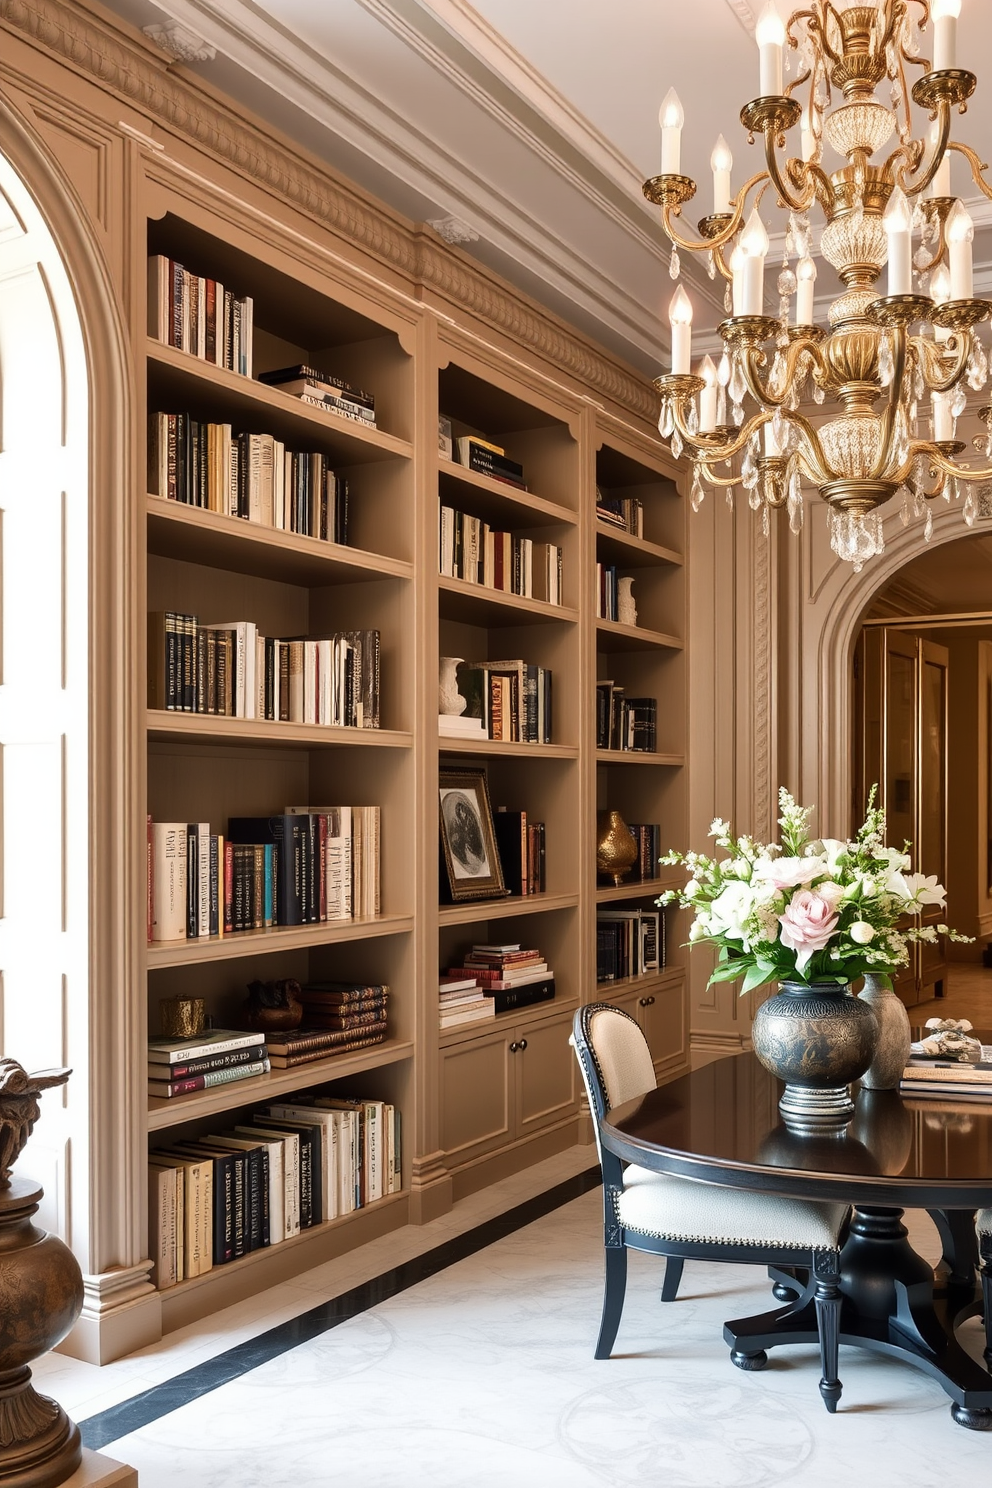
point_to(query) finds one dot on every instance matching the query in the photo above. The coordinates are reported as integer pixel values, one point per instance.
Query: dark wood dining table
(721, 1124)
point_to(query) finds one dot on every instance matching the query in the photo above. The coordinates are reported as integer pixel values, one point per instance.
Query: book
(301, 372)
(164, 1222)
(250, 1054)
(331, 1156)
(167, 1089)
(950, 1072)
(217, 1041)
(504, 1000)
(169, 868)
(267, 1155)
(353, 1039)
(311, 1163)
(476, 1014)
(946, 1090)
(197, 1185)
(288, 1158)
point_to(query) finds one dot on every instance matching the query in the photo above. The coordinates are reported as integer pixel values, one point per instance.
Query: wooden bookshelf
(336, 282)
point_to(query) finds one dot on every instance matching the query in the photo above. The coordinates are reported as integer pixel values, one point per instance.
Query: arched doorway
(68, 799)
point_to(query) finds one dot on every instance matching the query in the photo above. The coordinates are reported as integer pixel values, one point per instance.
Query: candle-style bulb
(805, 280)
(680, 308)
(769, 33)
(707, 396)
(680, 318)
(944, 14)
(721, 164)
(897, 219)
(940, 285)
(671, 117)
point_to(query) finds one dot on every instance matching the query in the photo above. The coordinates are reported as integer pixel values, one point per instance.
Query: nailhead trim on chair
(763, 1244)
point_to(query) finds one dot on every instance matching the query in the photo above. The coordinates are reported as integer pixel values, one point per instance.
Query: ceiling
(525, 127)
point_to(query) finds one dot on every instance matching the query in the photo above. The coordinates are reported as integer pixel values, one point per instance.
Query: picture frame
(468, 842)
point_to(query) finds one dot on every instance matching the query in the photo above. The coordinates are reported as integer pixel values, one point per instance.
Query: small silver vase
(894, 1036)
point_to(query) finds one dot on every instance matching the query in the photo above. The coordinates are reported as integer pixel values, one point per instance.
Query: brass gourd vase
(616, 849)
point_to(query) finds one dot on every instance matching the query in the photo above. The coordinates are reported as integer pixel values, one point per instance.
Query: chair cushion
(672, 1208)
(984, 1221)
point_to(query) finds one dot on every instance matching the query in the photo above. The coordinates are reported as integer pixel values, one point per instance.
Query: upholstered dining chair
(984, 1225)
(681, 1219)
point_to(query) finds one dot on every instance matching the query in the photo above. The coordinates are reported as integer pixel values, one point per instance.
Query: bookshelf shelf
(475, 604)
(623, 548)
(638, 757)
(502, 909)
(177, 378)
(612, 636)
(516, 1017)
(191, 534)
(210, 728)
(501, 749)
(161, 954)
(644, 888)
(668, 976)
(496, 501)
(165, 1114)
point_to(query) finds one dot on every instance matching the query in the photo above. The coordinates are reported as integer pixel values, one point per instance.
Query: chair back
(614, 1059)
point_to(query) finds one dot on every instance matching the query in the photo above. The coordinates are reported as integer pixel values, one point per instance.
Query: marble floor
(482, 1375)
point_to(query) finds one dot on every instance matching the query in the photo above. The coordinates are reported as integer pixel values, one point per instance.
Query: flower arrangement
(803, 910)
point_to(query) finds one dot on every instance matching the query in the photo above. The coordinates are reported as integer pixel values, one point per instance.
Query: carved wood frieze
(133, 72)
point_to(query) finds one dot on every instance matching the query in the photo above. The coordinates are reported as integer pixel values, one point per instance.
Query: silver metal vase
(894, 1036)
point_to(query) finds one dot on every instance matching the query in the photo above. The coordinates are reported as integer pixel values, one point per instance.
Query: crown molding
(129, 68)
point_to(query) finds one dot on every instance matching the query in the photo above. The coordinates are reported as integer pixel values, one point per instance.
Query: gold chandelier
(869, 361)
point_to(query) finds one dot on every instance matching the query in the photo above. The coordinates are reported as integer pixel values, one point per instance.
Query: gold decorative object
(616, 848)
(41, 1291)
(893, 397)
(182, 1017)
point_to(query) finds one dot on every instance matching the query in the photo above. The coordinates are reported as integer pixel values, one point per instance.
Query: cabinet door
(661, 1014)
(476, 1099)
(544, 1070)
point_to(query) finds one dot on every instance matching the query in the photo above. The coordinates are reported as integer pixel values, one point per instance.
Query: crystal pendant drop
(952, 491)
(978, 367)
(711, 264)
(919, 386)
(921, 257)
(754, 497)
(970, 509)
(697, 493)
(730, 497)
(928, 526)
(794, 503)
(906, 510)
(780, 432)
(737, 413)
(766, 525)
(728, 300)
(749, 470)
(666, 422)
(776, 378)
(723, 369)
(959, 401)
(786, 282)
(900, 437)
(818, 393)
(676, 445)
(885, 367)
(919, 503)
(674, 265)
(692, 417)
(738, 383)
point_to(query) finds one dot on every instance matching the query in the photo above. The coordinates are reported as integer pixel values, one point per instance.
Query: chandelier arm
(977, 166)
(797, 204)
(727, 451)
(812, 459)
(913, 188)
(722, 481)
(940, 462)
(898, 345)
(692, 245)
(806, 176)
(754, 359)
(960, 346)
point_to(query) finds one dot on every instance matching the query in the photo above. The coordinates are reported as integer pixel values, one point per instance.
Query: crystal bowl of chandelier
(738, 417)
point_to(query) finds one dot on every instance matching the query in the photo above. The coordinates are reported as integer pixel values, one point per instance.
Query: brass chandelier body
(869, 361)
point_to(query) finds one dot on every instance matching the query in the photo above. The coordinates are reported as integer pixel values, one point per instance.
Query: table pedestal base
(888, 1305)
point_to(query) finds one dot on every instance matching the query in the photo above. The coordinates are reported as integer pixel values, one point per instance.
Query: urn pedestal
(41, 1293)
(817, 1038)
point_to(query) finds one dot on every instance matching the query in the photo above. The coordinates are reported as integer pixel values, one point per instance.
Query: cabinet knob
(645, 1001)
(518, 1046)
(522, 1045)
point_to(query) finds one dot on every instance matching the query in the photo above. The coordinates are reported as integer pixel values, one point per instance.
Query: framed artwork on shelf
(468, 842)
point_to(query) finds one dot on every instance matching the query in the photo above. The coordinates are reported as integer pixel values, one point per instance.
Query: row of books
(622, 722)
(939, 1079)
(323, 390)
(522, 848)
(228, 668)
(607, 591)
(511, 698)
(486, 458)
(221, 1056)
(253, 476)
(291, 1166)
(647, 836)
(469, 549)
(623, 512)
(629, 943)
(300, 867)
(199, 315)
(338, 1018)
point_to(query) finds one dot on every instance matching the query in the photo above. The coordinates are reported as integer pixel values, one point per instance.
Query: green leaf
(757, 976)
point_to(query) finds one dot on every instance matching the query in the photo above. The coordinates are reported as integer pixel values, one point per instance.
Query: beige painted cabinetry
(658, 1004)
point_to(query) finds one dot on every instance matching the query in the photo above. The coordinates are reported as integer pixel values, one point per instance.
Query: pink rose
(807, 924)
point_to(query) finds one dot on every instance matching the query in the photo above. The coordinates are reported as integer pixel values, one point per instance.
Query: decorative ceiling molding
(342, 104)
(180, 43)
(742, 12)
(126, 68)
(453, 230)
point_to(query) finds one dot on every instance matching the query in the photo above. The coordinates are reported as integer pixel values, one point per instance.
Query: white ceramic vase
(894, 1036)
(449, 699)
(626, 608)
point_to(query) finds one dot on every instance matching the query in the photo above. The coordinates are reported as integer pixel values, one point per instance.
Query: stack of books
(512, 697)
(623, 512)
(947, 1080)
(628, 723)
(301, 867)
(228, 668)
(222, 1056)
(489, 459)
(462, 1000)
(521, 847)
(461, 726)
(322, 390)
(253, 476)
(199, 315)
(469, 549)
(510, 975)
(647, 835)
(290, 1166)
(338, 1017)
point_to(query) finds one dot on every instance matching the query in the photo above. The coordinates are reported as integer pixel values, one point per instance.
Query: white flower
(691, 889)
(730, 909)
(861, 932)
(697, 930)
(832, 848)
(719, 828)
(924, 889)
(788, 873)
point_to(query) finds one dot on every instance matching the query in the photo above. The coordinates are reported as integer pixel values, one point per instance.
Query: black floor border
(150, 1405)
